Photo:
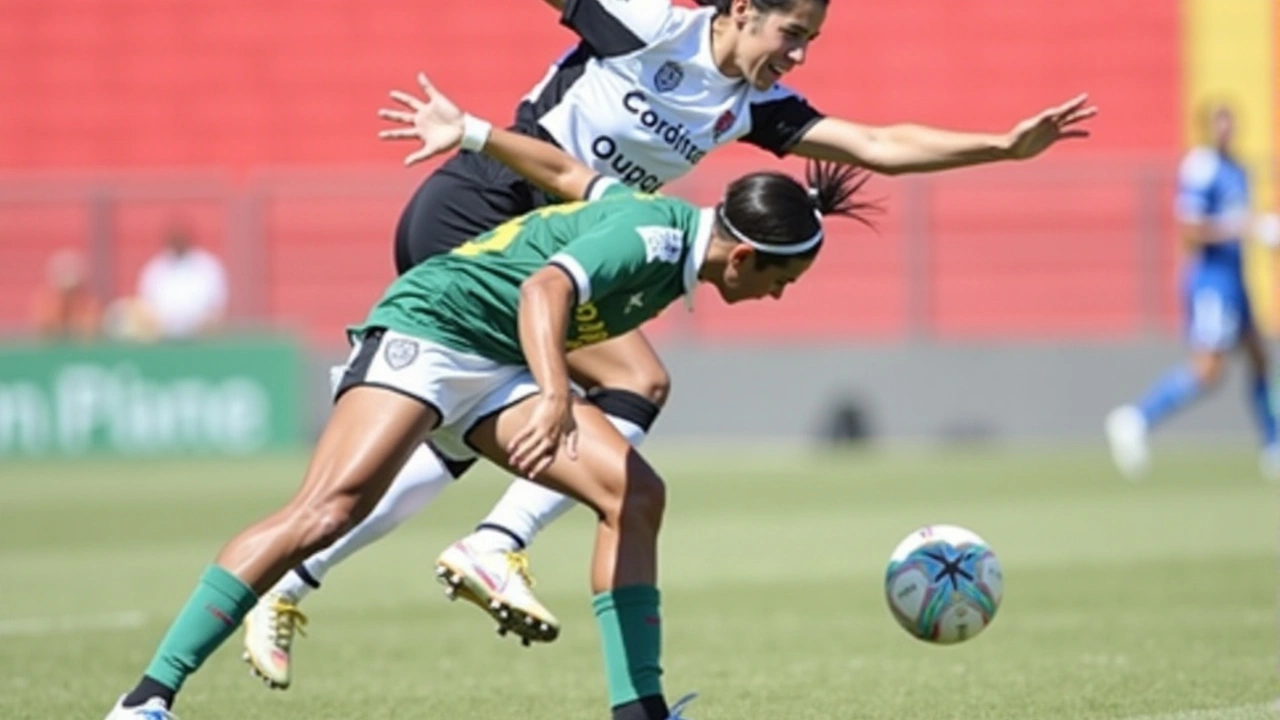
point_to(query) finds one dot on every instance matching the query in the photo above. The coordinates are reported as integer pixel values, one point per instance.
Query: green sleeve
(637, 245)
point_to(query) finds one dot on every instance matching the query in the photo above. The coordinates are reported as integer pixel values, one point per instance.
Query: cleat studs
(502, 631)
(526, 642)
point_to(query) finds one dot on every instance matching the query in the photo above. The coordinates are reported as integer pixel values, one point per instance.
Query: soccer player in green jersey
(647, 90)
(469, 347)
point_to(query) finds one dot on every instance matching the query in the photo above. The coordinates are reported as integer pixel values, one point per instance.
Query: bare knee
(1208, 368)
(655, 385)
(651, 382)
(641, 503)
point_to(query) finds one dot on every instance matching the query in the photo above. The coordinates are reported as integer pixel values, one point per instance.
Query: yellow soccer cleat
(269, 630)
(499, 583)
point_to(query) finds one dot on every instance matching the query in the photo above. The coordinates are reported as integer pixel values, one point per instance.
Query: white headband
(771, 248)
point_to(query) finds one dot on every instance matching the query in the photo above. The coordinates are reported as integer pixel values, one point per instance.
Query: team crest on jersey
(400, 353)
(668, 76)
(723, 123)
(663, 244)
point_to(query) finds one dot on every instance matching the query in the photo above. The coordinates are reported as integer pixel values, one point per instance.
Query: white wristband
(475, 133)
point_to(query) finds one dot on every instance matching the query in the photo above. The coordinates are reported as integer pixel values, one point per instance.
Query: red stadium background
(253, 121)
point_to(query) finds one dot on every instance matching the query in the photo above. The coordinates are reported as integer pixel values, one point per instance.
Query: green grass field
(1154, 601)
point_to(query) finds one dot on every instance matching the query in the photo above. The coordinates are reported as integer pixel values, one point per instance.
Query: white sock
(527, 507)
(415, 486)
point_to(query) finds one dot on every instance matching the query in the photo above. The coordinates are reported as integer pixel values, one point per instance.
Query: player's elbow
(549, 287)
(563, 186)
(878, 155)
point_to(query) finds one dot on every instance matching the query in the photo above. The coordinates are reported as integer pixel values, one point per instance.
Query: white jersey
(641, 99)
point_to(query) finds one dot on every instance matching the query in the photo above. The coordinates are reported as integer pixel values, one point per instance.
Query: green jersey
(629, 255)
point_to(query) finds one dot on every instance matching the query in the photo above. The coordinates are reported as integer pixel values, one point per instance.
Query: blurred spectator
(182, 291)
(66, 307)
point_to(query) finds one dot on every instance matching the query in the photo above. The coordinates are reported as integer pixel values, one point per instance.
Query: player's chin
(729, 295)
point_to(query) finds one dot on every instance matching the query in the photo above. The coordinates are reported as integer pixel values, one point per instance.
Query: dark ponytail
(832, 186)
(773, 210)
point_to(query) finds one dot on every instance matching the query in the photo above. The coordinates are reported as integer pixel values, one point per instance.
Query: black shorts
(467, 196)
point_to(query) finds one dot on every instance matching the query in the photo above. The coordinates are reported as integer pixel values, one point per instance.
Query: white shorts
(451, 439)
(453, 383)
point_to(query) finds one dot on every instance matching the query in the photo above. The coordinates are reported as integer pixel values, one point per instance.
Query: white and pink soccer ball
(943, 584)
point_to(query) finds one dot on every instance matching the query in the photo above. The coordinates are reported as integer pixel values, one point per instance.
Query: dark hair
(764, 6)
(772, 208)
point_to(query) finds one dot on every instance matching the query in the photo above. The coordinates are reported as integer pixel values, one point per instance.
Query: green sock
(631, 631)
(211, 615)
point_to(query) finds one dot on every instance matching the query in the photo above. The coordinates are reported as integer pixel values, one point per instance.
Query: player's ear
(741, 254)
(738, 11)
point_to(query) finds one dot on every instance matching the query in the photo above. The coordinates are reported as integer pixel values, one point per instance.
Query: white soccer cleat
(153, 709)
(269, 630)
(499, 583)
(1127, 434)
(677, 710)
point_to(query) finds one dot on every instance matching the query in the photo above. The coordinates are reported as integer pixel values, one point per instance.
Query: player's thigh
(625, 362)
(607, 468)
(370, 434)
(394, 390)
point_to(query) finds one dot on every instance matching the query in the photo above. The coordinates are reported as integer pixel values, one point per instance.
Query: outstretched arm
(442, 127)
(896, 149)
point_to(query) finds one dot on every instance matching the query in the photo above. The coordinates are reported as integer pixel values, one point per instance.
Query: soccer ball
(943, 584)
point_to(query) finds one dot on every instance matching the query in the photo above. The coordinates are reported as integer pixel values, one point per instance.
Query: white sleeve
(147, 280)
(1195, 185)
(618, 27)
(218, 277)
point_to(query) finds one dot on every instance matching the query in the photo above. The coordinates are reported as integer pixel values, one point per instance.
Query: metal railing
(936, 226)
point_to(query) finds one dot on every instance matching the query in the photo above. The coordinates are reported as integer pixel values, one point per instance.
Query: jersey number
(497, 240)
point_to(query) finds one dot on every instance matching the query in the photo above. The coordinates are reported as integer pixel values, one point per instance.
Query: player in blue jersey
(1213, 208)
(648, 91)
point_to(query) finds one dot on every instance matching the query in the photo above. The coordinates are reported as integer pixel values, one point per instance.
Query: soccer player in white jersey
(472, 344)
(647, 93)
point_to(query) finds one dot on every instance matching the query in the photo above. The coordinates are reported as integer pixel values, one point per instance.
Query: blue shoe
(677, 710)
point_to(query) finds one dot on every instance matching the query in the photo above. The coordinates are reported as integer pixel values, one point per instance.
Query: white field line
(71, 623)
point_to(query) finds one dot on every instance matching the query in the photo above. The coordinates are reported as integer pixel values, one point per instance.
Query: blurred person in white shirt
(183, 288)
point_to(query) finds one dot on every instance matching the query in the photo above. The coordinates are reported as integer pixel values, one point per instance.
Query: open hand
(535, 446)
(435, 121)
(1034, 135)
